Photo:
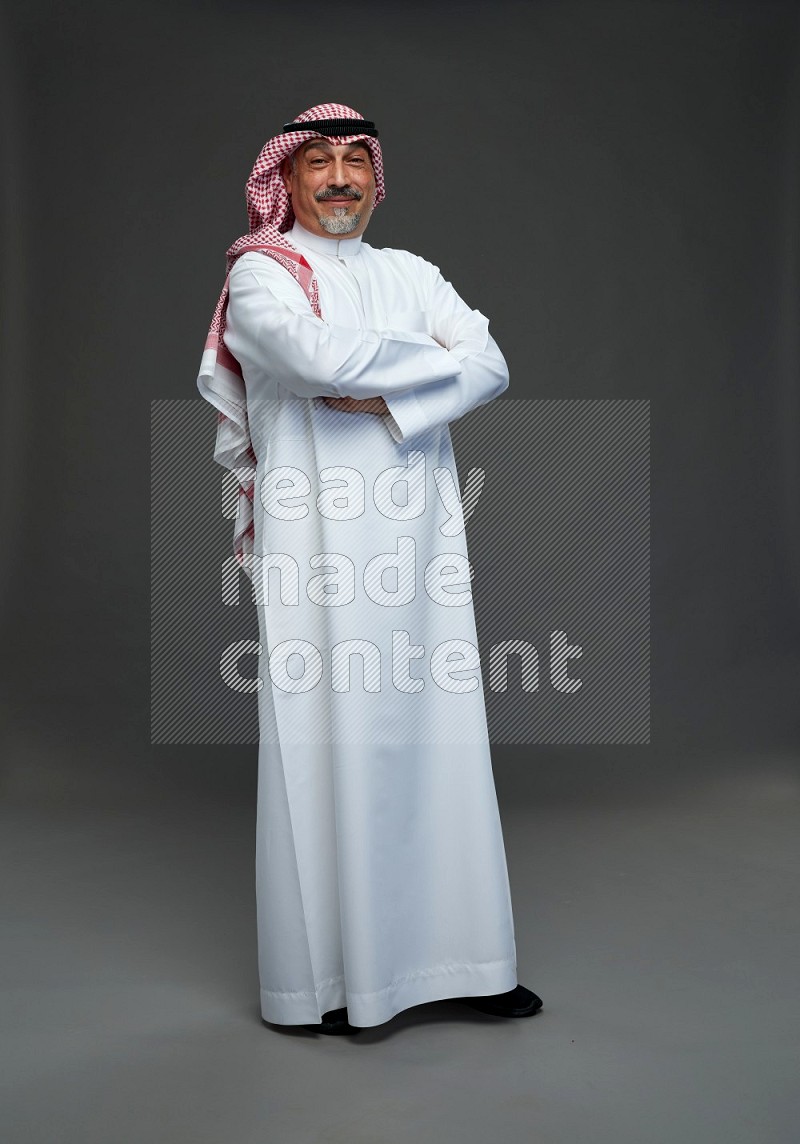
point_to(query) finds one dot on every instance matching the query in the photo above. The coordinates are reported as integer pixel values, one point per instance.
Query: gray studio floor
(656, 911)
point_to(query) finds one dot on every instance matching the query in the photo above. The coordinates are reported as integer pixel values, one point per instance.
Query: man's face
(332, 187)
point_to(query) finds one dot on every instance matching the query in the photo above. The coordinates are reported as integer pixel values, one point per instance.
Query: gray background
(616, 186)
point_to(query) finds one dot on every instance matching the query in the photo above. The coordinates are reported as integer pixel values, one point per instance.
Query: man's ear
(286, 174)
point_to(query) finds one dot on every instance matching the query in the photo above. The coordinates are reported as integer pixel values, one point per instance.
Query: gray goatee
(341, 222)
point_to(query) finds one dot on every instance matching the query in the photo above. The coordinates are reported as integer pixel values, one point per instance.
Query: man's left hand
(358, 405)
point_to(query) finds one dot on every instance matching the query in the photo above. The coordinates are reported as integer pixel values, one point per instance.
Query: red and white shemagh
(270, 214)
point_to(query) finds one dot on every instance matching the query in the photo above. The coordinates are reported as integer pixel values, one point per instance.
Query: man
(381, 879)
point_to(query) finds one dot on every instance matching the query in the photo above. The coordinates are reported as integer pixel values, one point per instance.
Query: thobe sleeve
(270, 326)
(483, 376)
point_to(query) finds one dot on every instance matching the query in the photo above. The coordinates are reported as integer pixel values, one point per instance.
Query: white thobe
(381, 877)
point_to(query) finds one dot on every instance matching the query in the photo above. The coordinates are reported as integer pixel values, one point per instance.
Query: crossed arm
(413, 380)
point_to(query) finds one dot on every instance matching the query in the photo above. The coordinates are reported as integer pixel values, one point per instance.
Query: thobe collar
(333, 246)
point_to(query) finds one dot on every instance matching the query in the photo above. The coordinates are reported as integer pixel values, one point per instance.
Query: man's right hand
(358, 405)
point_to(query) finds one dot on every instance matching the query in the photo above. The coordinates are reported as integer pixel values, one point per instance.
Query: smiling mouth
(342, 197)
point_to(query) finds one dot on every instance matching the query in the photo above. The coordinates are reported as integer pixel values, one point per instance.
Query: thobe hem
(473, 979)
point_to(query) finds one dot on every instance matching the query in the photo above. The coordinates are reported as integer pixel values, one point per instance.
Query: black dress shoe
(518, 1002)
(335, 1022)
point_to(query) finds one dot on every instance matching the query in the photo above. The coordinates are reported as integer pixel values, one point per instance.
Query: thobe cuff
(406, 416)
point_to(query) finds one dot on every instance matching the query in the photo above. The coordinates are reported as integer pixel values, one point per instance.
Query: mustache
(339, 193)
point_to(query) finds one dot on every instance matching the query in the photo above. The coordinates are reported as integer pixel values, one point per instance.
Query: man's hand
(358, 405)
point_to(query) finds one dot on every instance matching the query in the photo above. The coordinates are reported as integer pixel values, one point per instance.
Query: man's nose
(337, 174)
